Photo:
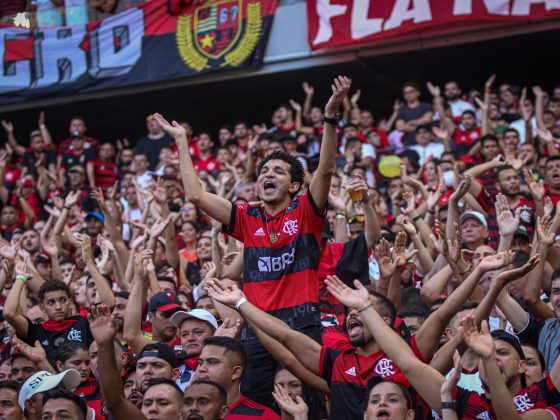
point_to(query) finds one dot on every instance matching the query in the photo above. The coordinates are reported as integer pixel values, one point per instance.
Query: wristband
(431, 211)
(340, 215)
(448, 405)
(465, 272)
(487, 90)
(415, 218)
(23, 277)
(365, 307)
(240, 302)
(333, 121)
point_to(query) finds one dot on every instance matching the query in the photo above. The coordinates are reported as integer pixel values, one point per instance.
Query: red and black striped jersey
(281, 258)
(106, 173)
(246, 409)
(541, 394)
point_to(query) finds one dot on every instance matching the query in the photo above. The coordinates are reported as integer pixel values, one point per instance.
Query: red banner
(345, 22)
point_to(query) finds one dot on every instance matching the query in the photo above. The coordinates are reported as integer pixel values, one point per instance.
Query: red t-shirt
(466, 138)
(280, 277)
(210, 164)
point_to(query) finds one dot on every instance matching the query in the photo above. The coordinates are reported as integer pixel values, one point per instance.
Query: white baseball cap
(202, 314)
(474, 215)
(43, 381)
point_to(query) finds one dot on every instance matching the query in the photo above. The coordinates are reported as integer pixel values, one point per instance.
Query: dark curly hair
(53, 286)
(296, 168)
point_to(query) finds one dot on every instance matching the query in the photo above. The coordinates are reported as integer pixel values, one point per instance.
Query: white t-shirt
(459, 106)
(432, 149)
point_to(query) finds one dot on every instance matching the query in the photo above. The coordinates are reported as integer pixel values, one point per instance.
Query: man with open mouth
(281, 237)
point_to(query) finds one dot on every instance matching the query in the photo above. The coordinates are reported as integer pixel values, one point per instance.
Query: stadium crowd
(321, 265)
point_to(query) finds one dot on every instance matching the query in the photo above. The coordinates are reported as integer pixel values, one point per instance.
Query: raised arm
(11, 307)
(132, 329)
(9, 128)
(215, 206)
(307, 349)
(425, 379)
(321, 181)
(104, 330)
(105, 293)
(438, 107)
(428, 336)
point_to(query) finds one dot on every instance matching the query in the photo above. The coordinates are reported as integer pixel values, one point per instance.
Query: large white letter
(362, 26)
(523, 7)
(14, 75)
(116, 45)
(61, 60)
(494, 7)
(420, 12)
(326, 12)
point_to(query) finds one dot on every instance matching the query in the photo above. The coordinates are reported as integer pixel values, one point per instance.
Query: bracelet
(334, 120)
(431, 211)
(465, 272)
(340, 215)
(23, 277)
(365, 307)
(415, 218)
(448, 405)
(240, 302)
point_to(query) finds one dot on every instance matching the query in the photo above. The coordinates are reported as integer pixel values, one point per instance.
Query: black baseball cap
(161, 351)
(164, 301)
(510, 339)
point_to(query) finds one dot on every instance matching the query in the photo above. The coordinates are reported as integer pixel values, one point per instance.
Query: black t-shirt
(52, 334)
(408, 114)
(71, 159)
(152, 148)
(30, 160)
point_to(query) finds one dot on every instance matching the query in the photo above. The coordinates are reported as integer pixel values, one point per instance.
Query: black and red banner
(145, 44)
(346, 22)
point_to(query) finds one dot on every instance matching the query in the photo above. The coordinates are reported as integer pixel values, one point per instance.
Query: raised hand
(53, 211)
(340, 88)
(410, 201)
(8, 252)
(175, 130)
(400, 256)
(42, 119)
(72, 198)
(295, 105)
(481, 342)
(352, 298)
(50, 246)
(544, 234)
(97, 195)
(138, 241)
(516, 273)
(297, 409)
(84, 242)
(462, 190)
(229, 329)
(434, 90)
(450, 383)
(141, 260)
(488, 84)
(495, 262)
(159, 194)
(548, 206)
(507, 222)
(537, 91)
(102, 325)
(308, 89)
(407, 225)
(356, 97)
(546, 136)
(408, 180)
(8, 126)
(228, 296)
(35, 353)
(434, 196)
(159, 226)
(440, 133)
(536, 188)
(439, 239)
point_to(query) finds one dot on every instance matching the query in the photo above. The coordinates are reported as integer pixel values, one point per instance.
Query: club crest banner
(144, 44)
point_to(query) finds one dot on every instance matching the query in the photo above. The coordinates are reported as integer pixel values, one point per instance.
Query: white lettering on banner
(494, 7)
(58, 56)
(61, 55)
(419, 12)
(361, 25)
(14, 75)
(523, 7)
(326, 11)
(117, 44)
